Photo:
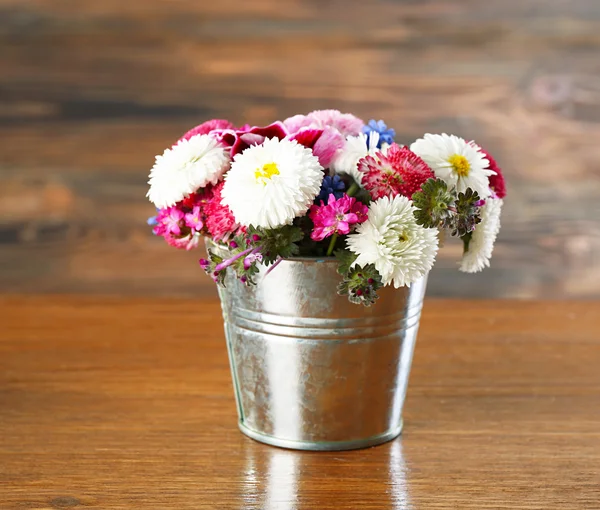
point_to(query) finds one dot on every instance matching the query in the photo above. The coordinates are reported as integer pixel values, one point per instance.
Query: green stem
(334, 238)
(351, 191)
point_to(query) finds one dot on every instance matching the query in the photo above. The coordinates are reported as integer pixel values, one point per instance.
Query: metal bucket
(312, 371)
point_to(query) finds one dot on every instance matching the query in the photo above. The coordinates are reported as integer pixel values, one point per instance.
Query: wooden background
(91, 90)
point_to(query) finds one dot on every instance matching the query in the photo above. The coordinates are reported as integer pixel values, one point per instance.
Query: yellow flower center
(266, 172)
(460, 165)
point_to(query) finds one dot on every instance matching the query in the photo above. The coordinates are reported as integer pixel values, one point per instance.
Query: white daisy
(187, 166)
(272, 183)
(347, 158)
(456, 162)
(483, 238)
(401, 250)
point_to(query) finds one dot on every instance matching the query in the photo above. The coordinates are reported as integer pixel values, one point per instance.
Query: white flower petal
(347, 158)
(436, 150)
(272, 200)
(483, 238)
(187, 166)
(401, 250)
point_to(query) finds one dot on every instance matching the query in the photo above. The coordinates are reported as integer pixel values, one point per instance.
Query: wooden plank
(91, 91)
(127, 403)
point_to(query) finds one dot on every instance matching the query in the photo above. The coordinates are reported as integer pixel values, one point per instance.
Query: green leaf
(277, 242)
(215, 260)
(345, 258)
(467, 215)
(432, 203)
(360, 284)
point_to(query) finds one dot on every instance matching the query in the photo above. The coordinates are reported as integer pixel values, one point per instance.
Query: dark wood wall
(91, 90)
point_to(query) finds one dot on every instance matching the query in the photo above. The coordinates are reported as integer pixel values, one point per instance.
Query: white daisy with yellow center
(272, 183)
(455, 161)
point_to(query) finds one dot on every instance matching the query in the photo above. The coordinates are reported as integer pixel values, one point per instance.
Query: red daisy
(497, 182)
(397, 172)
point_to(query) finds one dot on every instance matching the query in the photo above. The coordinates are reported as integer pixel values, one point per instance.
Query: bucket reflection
(277, 479)
(398, 474)
(271, 478)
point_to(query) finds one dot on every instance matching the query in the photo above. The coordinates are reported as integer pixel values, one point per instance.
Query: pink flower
(336, 217)
(193, 219)
(200, 213)
(327, 146)
(172, 225)
(182, 224)
(219, 219)
(208, 126)
(307, 137)
(323, 142)
(169, 222)
(188, 242)
(246, 136)
(335, 126)
(397, 172)
(345, 123)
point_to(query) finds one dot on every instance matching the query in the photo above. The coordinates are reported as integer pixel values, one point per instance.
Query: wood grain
(120, 404)
(91, 91)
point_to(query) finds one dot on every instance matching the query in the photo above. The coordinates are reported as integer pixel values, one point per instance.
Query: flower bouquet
(302, 216)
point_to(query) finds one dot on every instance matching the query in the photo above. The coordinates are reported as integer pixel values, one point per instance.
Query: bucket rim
(308, 260)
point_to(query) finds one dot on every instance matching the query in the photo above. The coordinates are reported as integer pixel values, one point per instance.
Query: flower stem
(351, 192)
(352, 189)
(228, 262)
(331, 247)
(274, 265)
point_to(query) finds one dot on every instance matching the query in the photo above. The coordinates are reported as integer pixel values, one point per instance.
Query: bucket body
(312, 371)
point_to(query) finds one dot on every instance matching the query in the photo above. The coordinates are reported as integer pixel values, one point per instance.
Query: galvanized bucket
(312, 371)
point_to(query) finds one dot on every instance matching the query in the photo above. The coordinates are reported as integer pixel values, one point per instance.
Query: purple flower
(385, 135)
(331, 186)
(250, 259)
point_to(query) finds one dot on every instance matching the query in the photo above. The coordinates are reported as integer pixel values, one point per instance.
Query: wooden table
(119, 404)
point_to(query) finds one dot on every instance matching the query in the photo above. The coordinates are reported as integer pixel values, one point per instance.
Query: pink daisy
(336, 217)
(397, 172)
(219, 219)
